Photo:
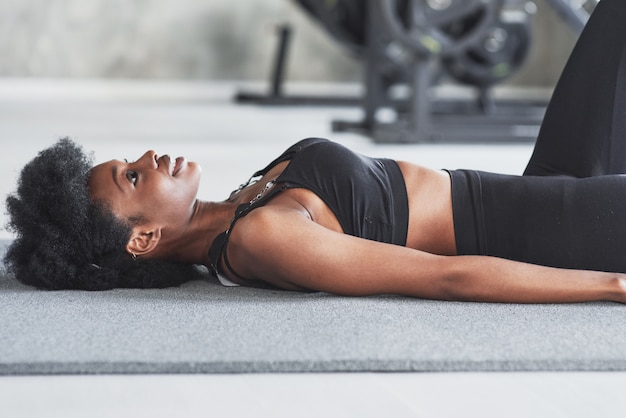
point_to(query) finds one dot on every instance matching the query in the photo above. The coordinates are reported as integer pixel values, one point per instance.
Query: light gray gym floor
(122, 119)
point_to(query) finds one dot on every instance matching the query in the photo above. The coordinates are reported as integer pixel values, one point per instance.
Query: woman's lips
(180, 164)
(173, 166)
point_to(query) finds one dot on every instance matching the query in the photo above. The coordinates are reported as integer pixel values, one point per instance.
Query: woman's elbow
(452, 282)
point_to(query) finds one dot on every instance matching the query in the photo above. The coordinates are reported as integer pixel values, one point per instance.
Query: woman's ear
(143, 240)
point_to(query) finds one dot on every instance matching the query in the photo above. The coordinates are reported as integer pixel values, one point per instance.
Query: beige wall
(199, 39)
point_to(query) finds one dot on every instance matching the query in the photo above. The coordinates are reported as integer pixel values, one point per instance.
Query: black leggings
(569, 208)
(583, 133)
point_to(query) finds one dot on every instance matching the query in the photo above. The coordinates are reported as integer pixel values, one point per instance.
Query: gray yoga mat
(202, 327)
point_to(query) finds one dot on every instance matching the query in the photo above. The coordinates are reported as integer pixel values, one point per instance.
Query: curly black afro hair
(66, 241)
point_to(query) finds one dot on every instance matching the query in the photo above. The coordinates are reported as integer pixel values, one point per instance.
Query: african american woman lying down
(323, 218)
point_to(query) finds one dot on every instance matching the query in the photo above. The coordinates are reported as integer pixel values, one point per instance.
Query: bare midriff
(431, 226)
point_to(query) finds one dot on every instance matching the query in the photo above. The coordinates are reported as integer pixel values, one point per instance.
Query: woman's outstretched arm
(285, 248)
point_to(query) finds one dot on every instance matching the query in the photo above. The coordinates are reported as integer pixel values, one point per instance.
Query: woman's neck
(207, 220)
(192, 244)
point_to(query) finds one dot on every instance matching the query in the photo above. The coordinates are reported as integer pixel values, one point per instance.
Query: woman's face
(158, 190)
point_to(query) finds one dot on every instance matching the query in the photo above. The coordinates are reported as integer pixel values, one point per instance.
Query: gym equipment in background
(410, 46)
(416, 43)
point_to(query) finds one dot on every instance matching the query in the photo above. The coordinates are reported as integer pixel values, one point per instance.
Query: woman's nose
(149, 159)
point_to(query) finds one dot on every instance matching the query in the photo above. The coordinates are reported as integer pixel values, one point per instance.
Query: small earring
(132, 254)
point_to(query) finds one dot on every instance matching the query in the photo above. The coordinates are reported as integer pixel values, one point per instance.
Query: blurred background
(204, 40)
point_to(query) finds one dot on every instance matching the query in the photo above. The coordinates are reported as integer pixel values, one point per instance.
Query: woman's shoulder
(266, 222)
(263, 240)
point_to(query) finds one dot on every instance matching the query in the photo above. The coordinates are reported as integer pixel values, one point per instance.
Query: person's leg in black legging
(584, 130)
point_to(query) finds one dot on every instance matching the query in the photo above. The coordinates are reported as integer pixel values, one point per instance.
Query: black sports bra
(367, 195)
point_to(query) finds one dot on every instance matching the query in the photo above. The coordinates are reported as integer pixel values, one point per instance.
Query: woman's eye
(131, 176)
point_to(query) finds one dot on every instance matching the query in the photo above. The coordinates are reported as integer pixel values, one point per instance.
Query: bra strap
(215, 252)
